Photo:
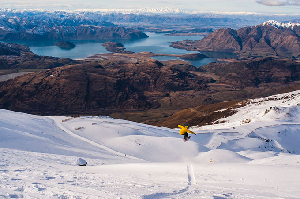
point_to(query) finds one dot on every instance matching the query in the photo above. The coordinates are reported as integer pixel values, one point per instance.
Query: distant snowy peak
(166, 11)
(161, 10)
(138, 11)
(280, 25)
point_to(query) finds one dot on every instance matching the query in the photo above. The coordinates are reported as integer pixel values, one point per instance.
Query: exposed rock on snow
(81, 162)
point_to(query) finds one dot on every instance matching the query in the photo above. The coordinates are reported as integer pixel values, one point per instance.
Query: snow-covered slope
(252, 154)
(280, 25)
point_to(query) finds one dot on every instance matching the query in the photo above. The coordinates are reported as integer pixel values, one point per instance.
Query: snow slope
(252, 154)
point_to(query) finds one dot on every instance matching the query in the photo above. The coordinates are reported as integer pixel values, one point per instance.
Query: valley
(139, 88)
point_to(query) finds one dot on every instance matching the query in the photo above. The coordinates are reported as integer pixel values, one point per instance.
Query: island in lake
(65, 44)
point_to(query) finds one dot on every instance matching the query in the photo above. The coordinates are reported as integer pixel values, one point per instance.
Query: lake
(156, 43)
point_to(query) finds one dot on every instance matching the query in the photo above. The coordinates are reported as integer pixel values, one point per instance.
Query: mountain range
(268, 39)
(37, 26)
(242, 147)
(141, 84)
(138, 88)
(157, 20)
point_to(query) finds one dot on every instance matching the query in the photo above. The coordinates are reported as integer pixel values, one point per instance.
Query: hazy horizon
(256, 6)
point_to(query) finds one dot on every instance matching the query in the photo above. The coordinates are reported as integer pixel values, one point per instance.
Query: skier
(184, 131)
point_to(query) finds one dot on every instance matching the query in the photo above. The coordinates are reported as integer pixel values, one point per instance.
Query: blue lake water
(196, 63)
(159, 43)
(156, 43)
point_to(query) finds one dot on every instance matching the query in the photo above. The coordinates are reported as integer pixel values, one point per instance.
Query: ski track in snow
(191, 175)
(59, 124)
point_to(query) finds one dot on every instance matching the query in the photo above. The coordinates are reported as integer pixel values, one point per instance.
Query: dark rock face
(83, 32)
(65, 44)
(91, 88)
(262, 40)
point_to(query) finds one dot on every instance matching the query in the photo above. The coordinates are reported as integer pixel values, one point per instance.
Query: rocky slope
(91, 88)
(247, 76)
(231, 82)
(144, 89)
(243, 112)
(255, 73)
(263, 40)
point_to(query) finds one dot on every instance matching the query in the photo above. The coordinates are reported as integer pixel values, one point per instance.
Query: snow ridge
(277, 24)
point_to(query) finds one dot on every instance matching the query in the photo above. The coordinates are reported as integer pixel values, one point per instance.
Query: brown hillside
(141, 89)
(93, 88)
(257, 41)
(201, 115)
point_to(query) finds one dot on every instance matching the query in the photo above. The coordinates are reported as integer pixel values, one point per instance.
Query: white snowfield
(281, 25)
(252, 154)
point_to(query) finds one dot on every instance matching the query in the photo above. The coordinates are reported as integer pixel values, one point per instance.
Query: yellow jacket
(184, 129)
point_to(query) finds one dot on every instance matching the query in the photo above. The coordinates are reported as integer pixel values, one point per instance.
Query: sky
(259, 6)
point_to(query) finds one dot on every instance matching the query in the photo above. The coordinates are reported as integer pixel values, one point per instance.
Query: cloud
(279, 2)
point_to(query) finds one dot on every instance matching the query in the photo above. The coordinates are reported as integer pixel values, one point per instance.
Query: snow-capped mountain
(27, 18)
(252, 154)
(60, 25)
(269, 39)
(280, 24)
(136, 11)
(42, 22)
